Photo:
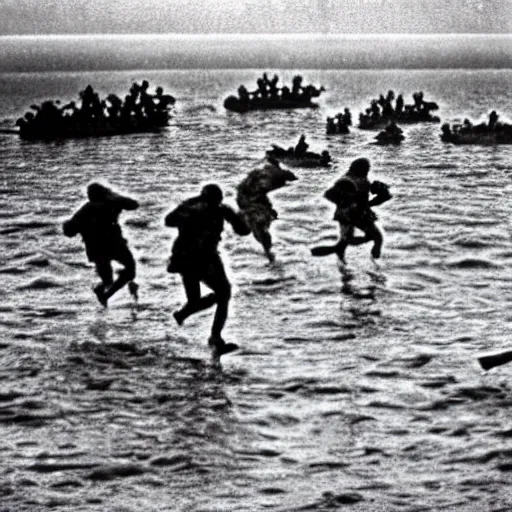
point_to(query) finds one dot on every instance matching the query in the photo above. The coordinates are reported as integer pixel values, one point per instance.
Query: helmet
(359, 167)
(212, 194)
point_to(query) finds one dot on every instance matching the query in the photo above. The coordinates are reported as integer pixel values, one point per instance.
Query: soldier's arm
(283, 178)
(183, 214)
(175, 218)
(381, 191)
(127, 203)
(333, 194)
(122, 202)
(240, 227)
(73, 226)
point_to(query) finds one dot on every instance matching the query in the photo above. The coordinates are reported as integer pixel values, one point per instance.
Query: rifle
(488, 362)
(324, 250)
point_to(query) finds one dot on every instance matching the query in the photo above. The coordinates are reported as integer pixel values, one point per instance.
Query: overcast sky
(254, 16)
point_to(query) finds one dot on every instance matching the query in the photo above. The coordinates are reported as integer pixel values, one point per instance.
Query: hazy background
(254, 16)
(271, 52)
(94, 35)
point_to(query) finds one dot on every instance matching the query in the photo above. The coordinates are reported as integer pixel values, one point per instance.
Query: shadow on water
(361, 289)
(99, 329)
(361, 284)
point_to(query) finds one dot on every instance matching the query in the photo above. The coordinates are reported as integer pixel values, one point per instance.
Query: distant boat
(237, 105)
(140, 112)
(484, 139)
(382, 112)
(412, 118)
(391, 135)
(307, 159)
(270, 97)
(491, 133)
(106, 129)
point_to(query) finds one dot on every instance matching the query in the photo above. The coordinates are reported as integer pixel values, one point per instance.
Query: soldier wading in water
(351, 195)
(97, 222)
(195, 256)
(255, 206)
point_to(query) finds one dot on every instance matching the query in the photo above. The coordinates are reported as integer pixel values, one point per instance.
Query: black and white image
(256, 255)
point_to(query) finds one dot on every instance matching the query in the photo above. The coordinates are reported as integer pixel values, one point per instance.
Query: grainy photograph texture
(256, 255)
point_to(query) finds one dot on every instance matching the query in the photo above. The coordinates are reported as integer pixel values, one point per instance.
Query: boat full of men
(299, 155)
(268, 95)
(385, 113)
(139, 111)
(491, 132)
(382, 111)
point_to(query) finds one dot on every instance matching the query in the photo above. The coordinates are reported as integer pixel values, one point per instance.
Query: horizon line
(252, 69)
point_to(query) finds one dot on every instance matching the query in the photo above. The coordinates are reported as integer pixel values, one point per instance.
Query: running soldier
(97, 222)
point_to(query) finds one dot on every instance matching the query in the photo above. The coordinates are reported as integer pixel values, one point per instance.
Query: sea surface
(355, 388)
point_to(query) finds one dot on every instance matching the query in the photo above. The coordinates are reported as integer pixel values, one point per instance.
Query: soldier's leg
(195, 302)
(104, 271)
(262, 235)
(127, 274)
(217, 280)
(373, 233)
(346, 235)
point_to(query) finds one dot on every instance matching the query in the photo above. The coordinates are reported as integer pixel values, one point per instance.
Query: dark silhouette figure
(418, 100)
(399, 104)
(163, 101)
(347, 117)
(285, 93)
(351, 195)
(200, 222)
(339, 124)
(243, 94)
(375, 110)
(273, 85)
(493, 119)
(301, 147)
(97, 222)
(255, 206)
(296, 85)
(392, 134)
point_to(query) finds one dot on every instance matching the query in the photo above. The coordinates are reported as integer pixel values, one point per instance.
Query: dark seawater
(356, 389)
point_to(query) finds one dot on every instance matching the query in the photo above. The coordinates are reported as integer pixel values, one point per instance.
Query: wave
(41, 283)
(469, 262)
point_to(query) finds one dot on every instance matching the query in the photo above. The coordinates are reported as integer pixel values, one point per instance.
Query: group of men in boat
(392, 134)
(382, 110)
(500, 131)
(268, 91)
(339, 124)
(94, 115)
(200, 222)
(299, 153)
